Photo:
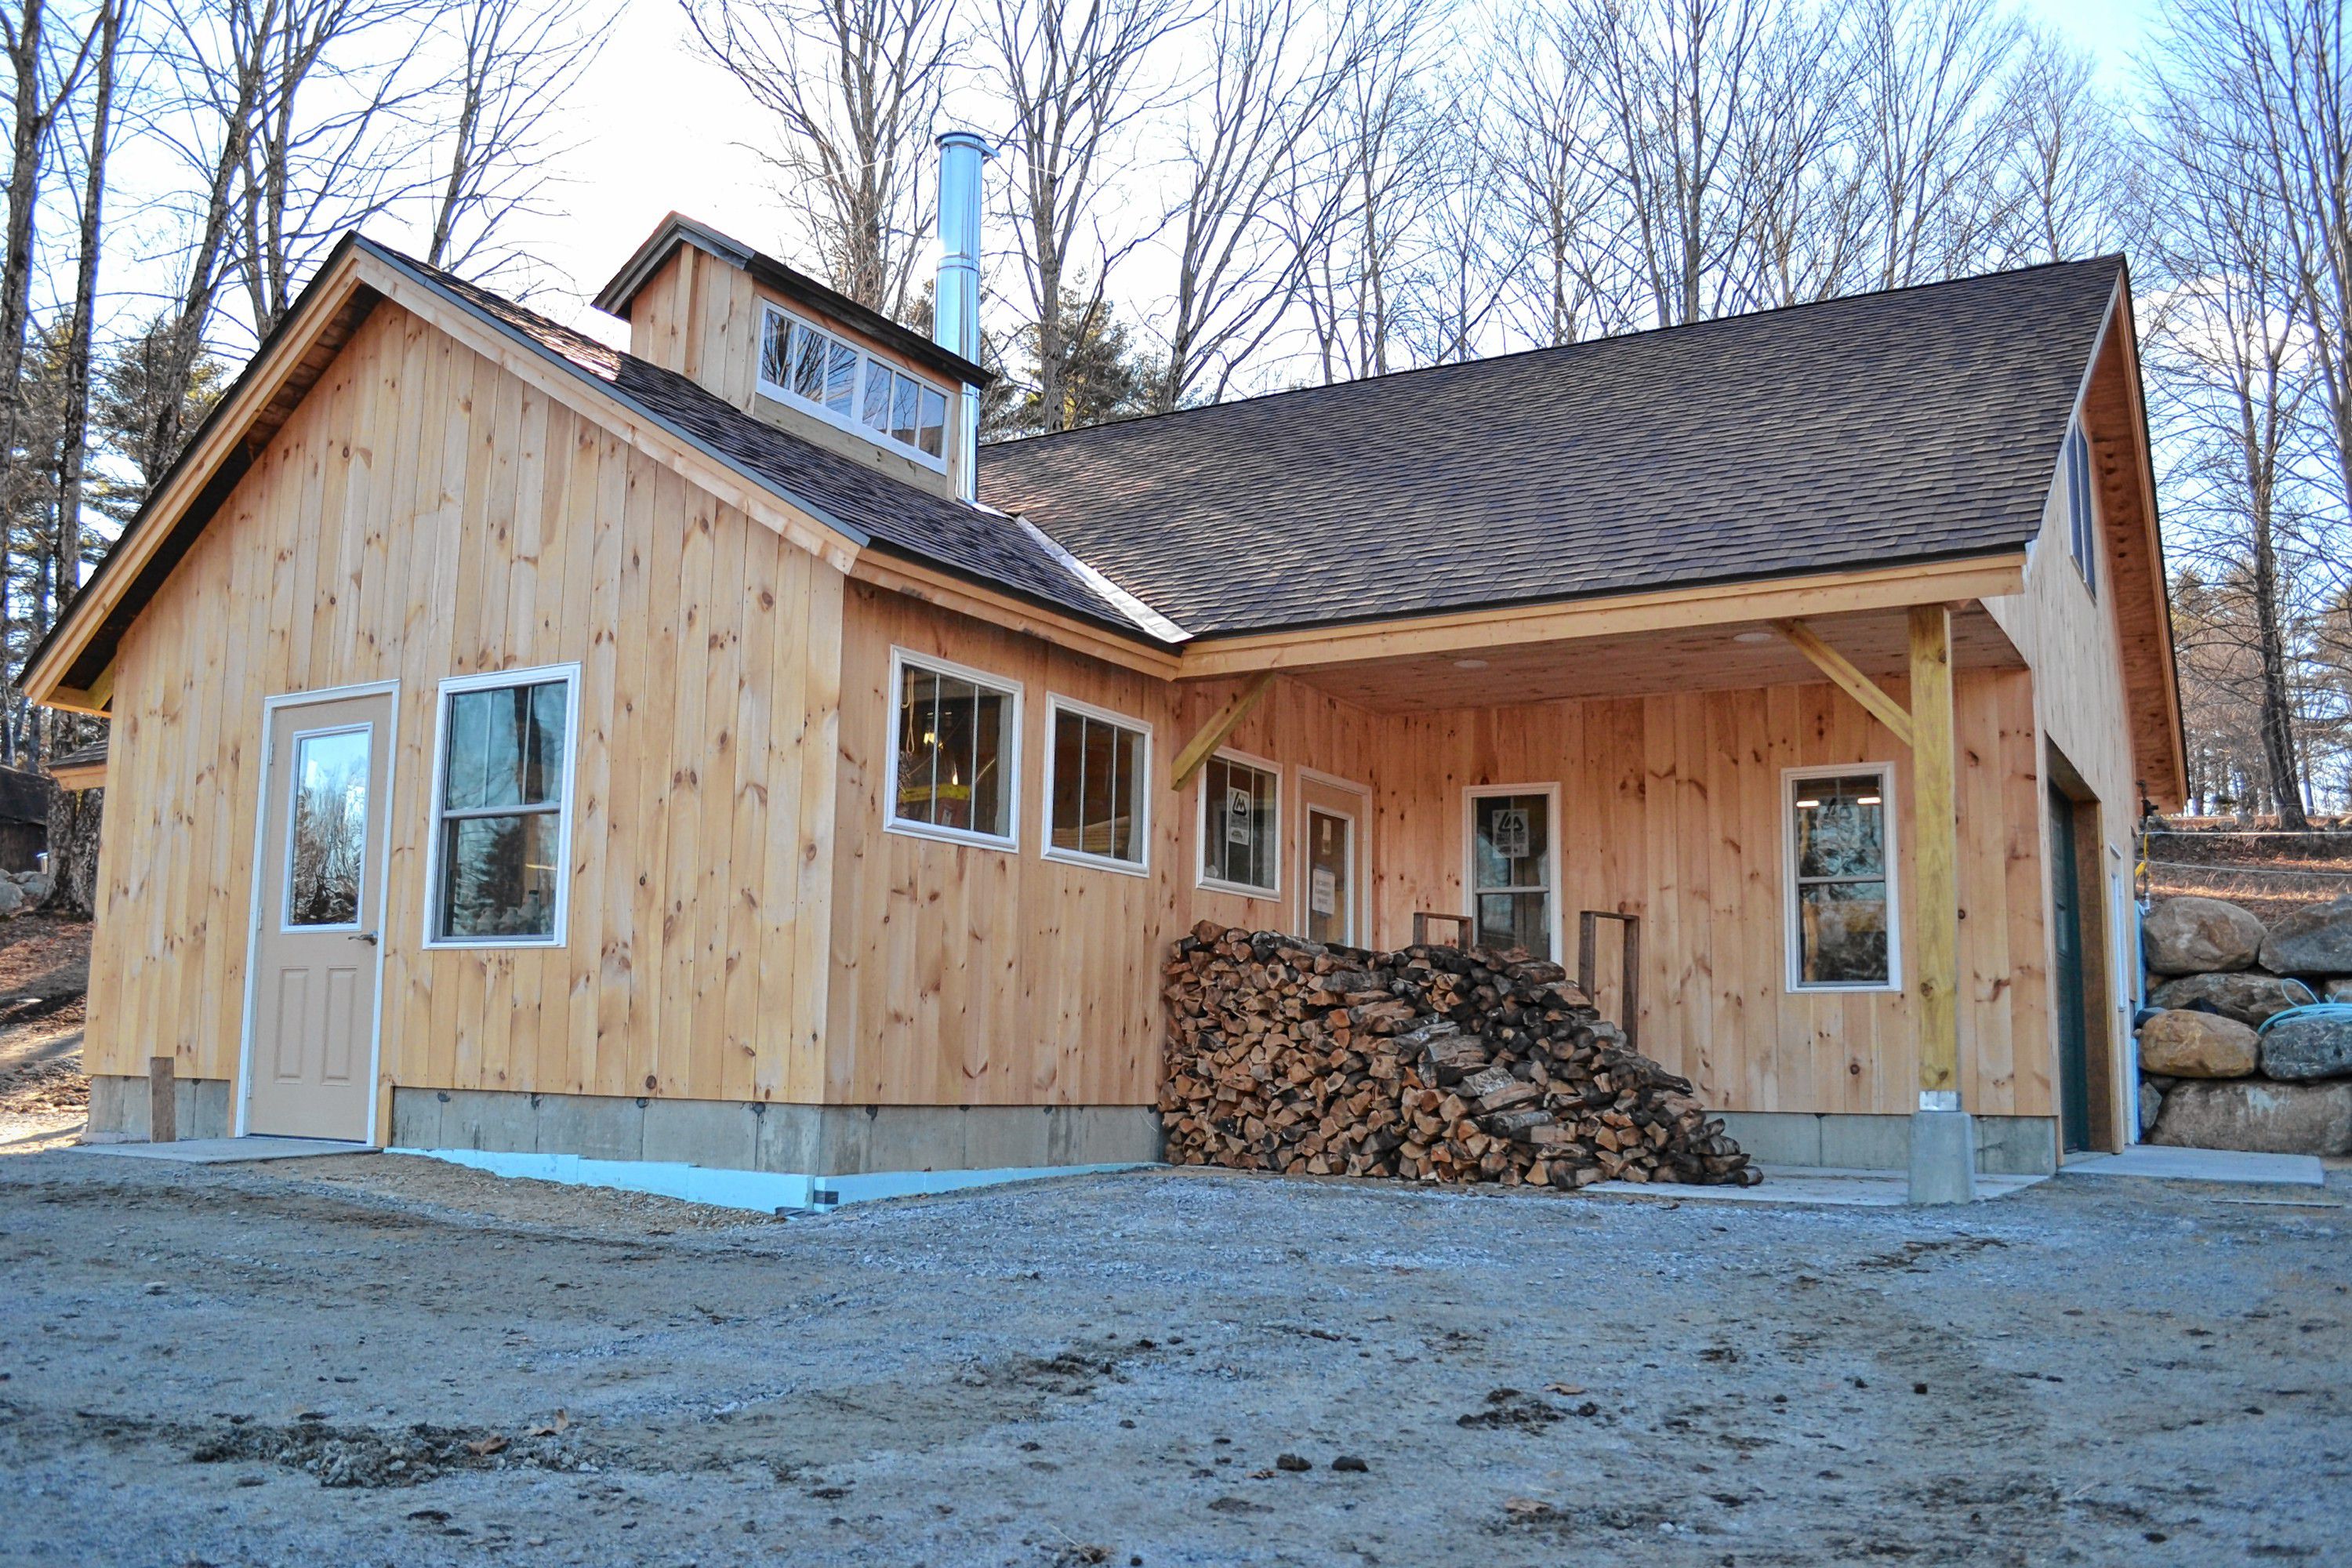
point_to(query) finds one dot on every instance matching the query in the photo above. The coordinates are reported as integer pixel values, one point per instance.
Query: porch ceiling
(1701, 658)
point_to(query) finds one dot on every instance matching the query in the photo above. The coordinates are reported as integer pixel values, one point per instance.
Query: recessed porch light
(1751, 636)
(1469, 664)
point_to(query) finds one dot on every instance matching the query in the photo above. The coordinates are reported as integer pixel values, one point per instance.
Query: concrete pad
(1812, 1184)
(2168, 1164)
(229, 1150)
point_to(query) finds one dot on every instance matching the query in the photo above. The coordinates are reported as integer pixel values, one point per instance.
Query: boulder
(2151, 1106)
(37, 886)
(2314, 941)
(2197, 1045)
(2336, 991)
(2245, 995)
(2301, 1049)
(12, 899)
(2261, 1117)
(2197, 936)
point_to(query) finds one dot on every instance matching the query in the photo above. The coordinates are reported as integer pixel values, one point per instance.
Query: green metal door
(2066, 935)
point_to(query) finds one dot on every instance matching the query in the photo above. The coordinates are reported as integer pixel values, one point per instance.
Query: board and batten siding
(964, 974)
(1670, 809)
(425, 514)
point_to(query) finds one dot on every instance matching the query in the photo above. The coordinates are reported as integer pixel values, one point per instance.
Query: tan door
(315, 947)
(1331, 875)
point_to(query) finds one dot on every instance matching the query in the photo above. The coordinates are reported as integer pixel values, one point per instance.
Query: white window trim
(1471, 797)
(891, 821)
(1201, 877)
(849, 422)
(1360, 917)
(1055, 705)
(1790, 940)
(491, 681)
(293, 794)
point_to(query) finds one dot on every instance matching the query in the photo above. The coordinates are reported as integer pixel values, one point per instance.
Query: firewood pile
(1431, 1064)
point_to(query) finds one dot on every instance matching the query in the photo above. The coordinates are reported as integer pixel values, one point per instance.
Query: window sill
(1239, 890)
(1097, 862)
(924, 830)
(1874, 988)
(483, 944)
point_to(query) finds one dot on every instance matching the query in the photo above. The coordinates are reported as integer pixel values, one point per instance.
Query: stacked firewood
(1432, 1064)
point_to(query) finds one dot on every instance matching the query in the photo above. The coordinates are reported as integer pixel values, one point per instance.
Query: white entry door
(1331, 860)
(309, 1060)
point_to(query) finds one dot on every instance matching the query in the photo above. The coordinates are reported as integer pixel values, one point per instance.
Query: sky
(664, 130)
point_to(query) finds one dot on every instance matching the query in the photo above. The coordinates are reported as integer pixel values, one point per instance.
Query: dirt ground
(2271, 874)
(386, 1359)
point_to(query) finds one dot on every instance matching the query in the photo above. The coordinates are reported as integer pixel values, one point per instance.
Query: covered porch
(1817, 819)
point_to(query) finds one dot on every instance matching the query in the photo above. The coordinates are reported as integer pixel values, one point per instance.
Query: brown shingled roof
(1915, 425)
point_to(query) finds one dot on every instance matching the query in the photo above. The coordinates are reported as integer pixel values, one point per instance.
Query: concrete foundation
(2006, 1145)
(1943, 1157)
(797, 1139)
(119, 1107)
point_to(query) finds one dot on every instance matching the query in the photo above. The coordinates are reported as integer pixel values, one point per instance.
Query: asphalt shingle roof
(1909, 426)
(863, 503)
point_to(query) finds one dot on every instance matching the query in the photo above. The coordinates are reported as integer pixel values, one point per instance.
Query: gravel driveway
(386, 1359)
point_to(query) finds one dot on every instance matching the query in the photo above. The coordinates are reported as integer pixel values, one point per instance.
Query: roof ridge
(2115, 257)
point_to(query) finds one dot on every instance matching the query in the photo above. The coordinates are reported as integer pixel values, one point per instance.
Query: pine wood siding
(965, 975)
(1669, 809)
(426, 514)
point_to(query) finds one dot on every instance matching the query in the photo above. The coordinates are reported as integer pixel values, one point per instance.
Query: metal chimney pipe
(955, 300)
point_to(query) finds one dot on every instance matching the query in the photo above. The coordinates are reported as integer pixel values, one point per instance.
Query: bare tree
(2068, 166)
(67, 541)
(1930, 78)
(1276, 68)
(1354, 210)
(518, 61)
(2276, 88)
(40, 88)
(855, 86)
(1075, 76)
(1546, 124)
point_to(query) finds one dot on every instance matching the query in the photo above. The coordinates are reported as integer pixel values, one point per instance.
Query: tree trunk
(74, 818)
(64, 547)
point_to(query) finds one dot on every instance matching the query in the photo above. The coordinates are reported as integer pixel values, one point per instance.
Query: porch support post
(1943, 1136)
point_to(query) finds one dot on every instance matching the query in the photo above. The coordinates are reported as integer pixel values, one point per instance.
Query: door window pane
(504, 750)
(1238, 836)
(329, 830)
(1511, 854)
(1330, 878)
(1842, 924)
(1098, 787)
(954, 747)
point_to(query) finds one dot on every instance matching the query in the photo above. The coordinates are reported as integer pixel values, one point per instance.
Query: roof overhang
(2115, 408)
(678, 229)
(73, 666)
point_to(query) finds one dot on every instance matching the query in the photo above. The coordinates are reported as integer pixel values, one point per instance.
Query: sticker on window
(1323, 891)
(1509, 833)
(1237, 815)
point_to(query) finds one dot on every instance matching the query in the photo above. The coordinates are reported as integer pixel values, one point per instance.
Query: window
(851, 388)
(1240, 827)
(1511, 869)
(953, 753)
(2082, 511)
(1841, 926)
(1097, 791)
(502, 808)
(330, 829)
